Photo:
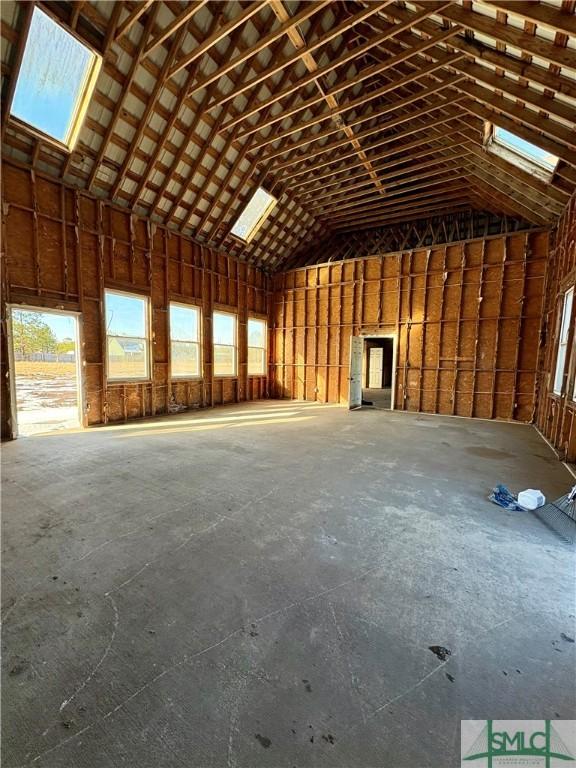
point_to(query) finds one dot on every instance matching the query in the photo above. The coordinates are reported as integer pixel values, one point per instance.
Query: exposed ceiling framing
(356, 115)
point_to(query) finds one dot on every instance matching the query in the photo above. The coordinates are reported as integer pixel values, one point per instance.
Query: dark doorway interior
(378, 372)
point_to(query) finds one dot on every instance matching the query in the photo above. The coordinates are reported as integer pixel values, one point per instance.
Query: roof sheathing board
(216, 175)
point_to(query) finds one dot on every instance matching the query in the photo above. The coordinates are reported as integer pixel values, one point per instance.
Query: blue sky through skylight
(259, 207)
(52, 77)
(525, 148)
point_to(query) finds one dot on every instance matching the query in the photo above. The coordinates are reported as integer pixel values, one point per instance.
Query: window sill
(112, 382)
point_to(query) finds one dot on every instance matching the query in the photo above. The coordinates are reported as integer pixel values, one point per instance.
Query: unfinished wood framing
(196, 106)
(62, 248)
(556, 414)
(465, 317)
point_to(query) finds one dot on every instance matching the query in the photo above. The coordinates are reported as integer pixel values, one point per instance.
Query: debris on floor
(439, 651)
(504, 498)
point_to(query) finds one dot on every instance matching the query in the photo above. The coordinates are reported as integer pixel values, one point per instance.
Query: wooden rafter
(224, 31)
(177, 23)
(333, 179)
(504, 33)
(498, 58)
(538, 13)
(356, 53)
(117, 109)
(376, 116)
(364, 98)
(324, 39)
(311, 65)
(132, 18)
(158, 86)
(309, 10)
(315, 137)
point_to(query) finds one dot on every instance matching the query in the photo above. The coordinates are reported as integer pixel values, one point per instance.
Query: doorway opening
(378, 372)
(372, 371)
(45, 369)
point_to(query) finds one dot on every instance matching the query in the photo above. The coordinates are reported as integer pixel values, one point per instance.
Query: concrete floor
(258, 586)
(380, 398)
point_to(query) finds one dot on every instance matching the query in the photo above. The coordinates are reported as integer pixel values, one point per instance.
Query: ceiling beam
(538, 13)
(394, 107)
(179, 21)
(321, 184)
(364, 98)
(171, 123)
(278, 66)
(529, 117)
(437, 209)
(255, 7)
(151, 104)
(352, 54)
(487, 180)
(359, 208)
(456, 194)
(522, 177)
(552, 106)
(131, 19)
(476, 73)
(311, 65)
(453, 114)
(312, 196)
(424, 180)
(522, 68)
(310, 8)
(135, 63)
(509, 35)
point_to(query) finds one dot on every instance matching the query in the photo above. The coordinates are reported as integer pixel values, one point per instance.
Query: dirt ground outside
(46, 396)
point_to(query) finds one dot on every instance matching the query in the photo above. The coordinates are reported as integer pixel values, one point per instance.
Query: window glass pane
(184, 358)
(559, 377)
(525, 148)
(566, 315)
(259, 207)
(183, 323)
(125, 315)
(563, 341)
(52, 77)
(224, 330)
(256, 333)
(127, 358)
(224, 360)
(256, 361)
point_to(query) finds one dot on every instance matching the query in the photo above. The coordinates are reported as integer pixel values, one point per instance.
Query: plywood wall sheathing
(467, 318)
(556, 416)
(62, 248)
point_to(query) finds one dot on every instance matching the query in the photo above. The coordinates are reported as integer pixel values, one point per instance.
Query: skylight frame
(498, 145)
(263, 216)
(83, 96)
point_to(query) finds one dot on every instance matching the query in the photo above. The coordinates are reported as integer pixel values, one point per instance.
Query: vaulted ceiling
(356, 115)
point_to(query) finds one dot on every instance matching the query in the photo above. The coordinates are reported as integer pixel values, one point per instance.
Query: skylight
(520, 152)
(254, 215)
(55, 82)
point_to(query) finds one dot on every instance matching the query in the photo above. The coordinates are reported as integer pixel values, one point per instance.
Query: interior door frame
(351, 378)
(394, 338)
(11, 360)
